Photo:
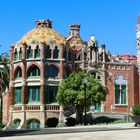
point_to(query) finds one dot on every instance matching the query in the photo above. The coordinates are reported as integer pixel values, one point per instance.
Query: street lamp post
(85, 85)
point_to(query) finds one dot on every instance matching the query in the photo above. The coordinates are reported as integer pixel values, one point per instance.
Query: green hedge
(136, 109)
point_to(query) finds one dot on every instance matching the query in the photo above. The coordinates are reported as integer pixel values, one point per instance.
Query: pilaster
(61, 71)
(61, 53)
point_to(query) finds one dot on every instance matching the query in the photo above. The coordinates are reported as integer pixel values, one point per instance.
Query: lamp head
(85, 80)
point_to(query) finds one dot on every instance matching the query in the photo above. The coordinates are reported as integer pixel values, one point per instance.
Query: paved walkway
(129, 132)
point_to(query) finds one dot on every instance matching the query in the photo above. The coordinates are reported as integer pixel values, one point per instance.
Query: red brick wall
(131, 75)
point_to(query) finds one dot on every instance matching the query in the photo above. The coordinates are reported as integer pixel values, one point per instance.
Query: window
(52, 72)
(55, 52)
(17, 95)
(20, 54)
(18, 73)
(48, 52)
(50, 95)
(15, 55)
(34, 94)
(33, 71)
(29, 53)
(98, 107)
(37, 52)
(120, 90)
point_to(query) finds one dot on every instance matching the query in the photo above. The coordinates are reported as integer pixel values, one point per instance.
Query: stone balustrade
(47, 107)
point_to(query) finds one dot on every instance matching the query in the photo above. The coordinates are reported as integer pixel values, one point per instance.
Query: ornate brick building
(42, 58)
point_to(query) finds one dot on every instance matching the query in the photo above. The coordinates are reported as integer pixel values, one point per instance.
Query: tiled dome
(42, 33)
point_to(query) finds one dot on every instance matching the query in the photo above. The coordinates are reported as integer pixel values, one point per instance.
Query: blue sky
(113, 22)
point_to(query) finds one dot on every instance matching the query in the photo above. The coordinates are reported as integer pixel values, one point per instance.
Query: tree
(4, 79)
(71, 92)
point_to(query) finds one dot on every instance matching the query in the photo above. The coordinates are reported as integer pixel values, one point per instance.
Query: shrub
(103, 119)
(136, 109)
(52, 122)
(71, 121)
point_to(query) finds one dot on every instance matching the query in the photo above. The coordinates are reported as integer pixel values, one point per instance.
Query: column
(73, 55)
(42, 71)
(10, 103)
(24, 94)
(102, 107)
(24, 73)
(42, 94)
(83, 60)
(11, 66)
(61, 70)
(61, 55)
(24, 51)
(42, 86)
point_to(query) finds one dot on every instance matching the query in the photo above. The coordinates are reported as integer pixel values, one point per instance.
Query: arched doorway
(16, 123)
(33, 124)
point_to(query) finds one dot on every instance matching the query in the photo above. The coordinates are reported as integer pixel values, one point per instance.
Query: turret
(74, 30)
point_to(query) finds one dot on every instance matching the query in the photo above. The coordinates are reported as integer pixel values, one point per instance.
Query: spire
(139, 19)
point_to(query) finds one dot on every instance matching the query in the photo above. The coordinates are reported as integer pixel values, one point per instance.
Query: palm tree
(4, 79)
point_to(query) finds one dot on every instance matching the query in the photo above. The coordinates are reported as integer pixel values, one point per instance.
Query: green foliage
(4, 73)
(136, 109)
(4, 79)
(71, 90)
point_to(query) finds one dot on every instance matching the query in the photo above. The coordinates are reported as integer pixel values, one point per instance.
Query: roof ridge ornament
(43, 23)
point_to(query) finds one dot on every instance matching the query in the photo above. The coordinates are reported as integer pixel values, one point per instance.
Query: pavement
(92, 132)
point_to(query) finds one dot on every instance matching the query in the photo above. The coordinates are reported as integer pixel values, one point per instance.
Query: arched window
(33, 124)
(52, 72)
(29, 53)
(15, 55)
(48, 52)
(120, 90)
(37, 52)
(18, 73)
(33, 71)
(20, 54)
(55, 52)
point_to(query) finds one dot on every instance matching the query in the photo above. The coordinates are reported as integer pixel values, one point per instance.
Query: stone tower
(74, 30)
(138, 40)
